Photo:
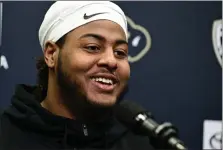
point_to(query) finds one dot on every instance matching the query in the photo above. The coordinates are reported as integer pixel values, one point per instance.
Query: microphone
(140, 121)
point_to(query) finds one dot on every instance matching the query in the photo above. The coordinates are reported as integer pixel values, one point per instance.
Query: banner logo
(139, 41)
(3, 60)
(217, 39)
(212, 134)
(216, 140)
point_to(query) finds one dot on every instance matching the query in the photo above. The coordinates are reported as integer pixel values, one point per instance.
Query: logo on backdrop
(139, 41)
(217, 39)
(215, 140)
(212, 134)
(3, 60)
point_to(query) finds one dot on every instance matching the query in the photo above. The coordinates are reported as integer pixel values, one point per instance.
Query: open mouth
(103, 80)
(104, 83)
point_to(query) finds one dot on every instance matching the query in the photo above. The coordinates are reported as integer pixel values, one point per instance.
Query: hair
(43, 70)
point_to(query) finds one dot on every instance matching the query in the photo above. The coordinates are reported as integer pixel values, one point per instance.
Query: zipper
(85, 131)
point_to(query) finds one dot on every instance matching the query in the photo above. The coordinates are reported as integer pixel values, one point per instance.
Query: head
(90, 62)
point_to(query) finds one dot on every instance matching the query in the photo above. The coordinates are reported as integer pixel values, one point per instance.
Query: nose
(108, 60)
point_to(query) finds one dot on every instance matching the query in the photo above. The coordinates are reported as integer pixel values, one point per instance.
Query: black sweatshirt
(25, 125)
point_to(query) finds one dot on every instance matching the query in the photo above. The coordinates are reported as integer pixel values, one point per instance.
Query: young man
(82, 76)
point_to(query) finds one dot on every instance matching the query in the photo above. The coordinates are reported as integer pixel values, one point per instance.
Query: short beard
(69, 90)
(76, 101)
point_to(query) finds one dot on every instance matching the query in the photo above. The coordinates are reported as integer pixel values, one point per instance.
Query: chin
(103, 101)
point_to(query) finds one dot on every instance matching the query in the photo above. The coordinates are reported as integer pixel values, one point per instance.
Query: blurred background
(175, 54)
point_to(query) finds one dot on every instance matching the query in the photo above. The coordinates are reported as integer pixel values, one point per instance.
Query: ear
(51, 51)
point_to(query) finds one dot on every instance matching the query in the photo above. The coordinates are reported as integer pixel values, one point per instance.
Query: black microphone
(140, 121)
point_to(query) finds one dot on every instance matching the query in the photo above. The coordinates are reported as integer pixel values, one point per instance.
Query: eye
(92, 48)
(121, 54)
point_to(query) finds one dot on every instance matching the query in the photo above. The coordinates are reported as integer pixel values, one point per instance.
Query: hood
(27, 113)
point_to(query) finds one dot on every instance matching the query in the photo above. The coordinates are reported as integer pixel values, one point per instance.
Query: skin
(94, 49)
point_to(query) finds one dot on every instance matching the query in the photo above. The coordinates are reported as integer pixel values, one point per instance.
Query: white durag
(64, 16)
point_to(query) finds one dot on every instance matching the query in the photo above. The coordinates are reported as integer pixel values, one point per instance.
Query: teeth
(108, 81)
(104, 80)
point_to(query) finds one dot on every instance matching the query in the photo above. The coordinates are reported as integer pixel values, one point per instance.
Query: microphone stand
(164, 134)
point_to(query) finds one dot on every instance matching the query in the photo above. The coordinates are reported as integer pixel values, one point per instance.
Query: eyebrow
(101, 38)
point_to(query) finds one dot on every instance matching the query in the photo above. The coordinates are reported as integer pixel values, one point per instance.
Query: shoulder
(9, 133)
(132, 141)
(137, 142)
(11, 137)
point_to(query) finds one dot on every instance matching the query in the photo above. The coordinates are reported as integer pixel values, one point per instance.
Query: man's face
(94, 62)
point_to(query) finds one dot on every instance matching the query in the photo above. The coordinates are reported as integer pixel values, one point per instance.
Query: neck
(54, 101)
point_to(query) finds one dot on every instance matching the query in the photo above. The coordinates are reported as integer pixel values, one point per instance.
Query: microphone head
(126, 112)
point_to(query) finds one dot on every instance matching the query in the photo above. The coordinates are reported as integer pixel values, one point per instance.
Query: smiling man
(82, 76)
(90, 68)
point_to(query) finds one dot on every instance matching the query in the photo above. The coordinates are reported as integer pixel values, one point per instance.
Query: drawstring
(85, 130)
(85, 133)
(64, 142)
(65, 136)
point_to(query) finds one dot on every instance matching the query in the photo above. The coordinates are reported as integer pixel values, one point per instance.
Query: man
(83, 75)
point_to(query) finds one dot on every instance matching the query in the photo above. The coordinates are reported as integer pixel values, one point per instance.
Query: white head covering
(64, 16)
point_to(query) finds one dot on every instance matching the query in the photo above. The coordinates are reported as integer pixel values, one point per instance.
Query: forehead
(106, 28)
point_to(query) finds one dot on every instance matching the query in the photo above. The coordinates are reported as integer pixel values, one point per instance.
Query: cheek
(124, 72)
(80, 62)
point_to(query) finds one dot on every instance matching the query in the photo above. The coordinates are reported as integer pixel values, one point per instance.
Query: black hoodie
(25, 125)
